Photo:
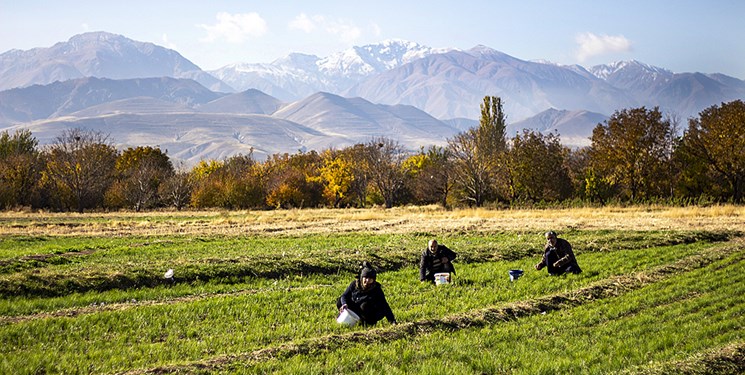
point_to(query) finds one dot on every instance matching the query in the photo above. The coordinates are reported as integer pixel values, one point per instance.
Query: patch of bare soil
(607, 288)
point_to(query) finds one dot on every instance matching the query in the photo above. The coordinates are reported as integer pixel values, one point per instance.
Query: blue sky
(682, 35)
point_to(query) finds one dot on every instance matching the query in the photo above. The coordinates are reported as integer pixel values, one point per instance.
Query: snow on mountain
(373, 58)
(290, 78)
(98, 54)
(453, 84)
(640, 68)
(683, 94)
(411, 93)
(299, 75)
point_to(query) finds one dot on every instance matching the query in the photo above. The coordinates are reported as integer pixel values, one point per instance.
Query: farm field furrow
(190, 330)
(102, 264)
(489, 318)
(253, 292)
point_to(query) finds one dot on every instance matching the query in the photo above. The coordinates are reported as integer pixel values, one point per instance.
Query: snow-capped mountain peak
(607, 70)
(374, 58)
(297, 75)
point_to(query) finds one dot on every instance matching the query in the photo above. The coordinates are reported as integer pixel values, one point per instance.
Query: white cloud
(344, 30)
(85, 27)
(302, 22)
(235, 28)
(593, 45)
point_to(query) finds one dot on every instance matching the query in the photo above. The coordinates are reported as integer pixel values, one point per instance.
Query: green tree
(80, 166)
(479, 155)
(244, 182)
(237, 182)
(674, 165)
(717, 138)
(292, 180)
(431, 175)
(492, 144)
(538, 169)
(337, 176)
(356, 155)
(492, 126)
(19, 168)
(578, 162)
(140, 171)
(628, 153)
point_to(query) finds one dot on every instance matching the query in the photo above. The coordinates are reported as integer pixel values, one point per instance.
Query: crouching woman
(365, 298)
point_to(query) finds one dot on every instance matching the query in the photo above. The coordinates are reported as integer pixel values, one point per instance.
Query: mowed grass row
(140, 337)
(649, 330)
(469, 277)
(121, 270)
(60, 266)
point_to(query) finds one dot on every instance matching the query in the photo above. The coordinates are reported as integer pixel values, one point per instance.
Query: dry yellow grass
(397, 220)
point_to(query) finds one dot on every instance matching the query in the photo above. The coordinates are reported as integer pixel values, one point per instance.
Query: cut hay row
(727, 360)
(395, 220)
(607, 288)
(37, 275)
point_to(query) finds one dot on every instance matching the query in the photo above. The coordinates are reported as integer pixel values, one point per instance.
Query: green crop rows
(654, 302)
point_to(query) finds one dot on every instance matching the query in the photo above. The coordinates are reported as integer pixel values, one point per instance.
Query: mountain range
(144, 94)
(193, 123)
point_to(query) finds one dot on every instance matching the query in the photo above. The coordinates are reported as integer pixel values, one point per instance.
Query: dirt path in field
(607, 288)
(395, 220)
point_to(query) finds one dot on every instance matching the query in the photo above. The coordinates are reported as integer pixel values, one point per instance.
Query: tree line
(637, 155)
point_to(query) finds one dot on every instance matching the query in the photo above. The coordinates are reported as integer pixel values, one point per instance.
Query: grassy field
(663, 292)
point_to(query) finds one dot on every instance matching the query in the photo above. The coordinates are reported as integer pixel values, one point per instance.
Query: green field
(649, 301)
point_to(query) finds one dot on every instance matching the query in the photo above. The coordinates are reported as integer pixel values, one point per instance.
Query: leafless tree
(384, 160)
(471, 171)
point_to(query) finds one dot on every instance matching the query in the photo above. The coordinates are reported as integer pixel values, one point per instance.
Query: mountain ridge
(395, 88)
(99, 54)
(200, 124)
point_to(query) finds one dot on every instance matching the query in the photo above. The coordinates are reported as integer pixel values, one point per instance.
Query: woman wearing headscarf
(365, 297)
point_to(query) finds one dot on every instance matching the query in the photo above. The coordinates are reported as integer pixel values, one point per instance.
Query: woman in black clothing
(365, 298)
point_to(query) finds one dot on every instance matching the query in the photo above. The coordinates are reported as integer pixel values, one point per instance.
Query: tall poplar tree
(492, 146)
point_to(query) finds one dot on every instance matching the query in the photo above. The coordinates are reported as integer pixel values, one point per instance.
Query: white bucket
(442, 278)
(348, 318)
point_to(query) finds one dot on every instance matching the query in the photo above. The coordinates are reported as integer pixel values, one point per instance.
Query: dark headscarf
(368, 272)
